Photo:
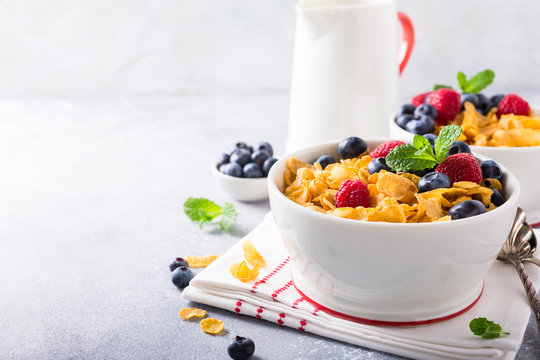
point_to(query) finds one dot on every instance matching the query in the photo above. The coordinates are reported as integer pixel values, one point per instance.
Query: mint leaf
(446, 138)
(462, 80)
(409, 158)
(203, 211)
(421, 143)
(486, 329)
(439, 86)
(228, 216)
(476, 83)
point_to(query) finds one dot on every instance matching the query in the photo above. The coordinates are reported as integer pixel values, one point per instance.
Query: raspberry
(448, 104)
(513, 104)
(383, 149)
(420, 99)
(352, 193)
(461, 167)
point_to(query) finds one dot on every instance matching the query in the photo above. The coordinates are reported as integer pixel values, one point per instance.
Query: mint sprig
(476, 83)
(420, 155)
(203, 211)
(486, 329)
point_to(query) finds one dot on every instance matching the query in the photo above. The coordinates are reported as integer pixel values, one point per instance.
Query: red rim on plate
(386, 323)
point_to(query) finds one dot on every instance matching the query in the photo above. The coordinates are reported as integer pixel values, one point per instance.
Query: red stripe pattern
(296, 302)
(281, 317)
(259, 312)
(238, 304)
(269, 276)
(281, 289)
(302, 324)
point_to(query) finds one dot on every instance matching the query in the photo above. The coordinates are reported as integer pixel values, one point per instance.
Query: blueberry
(243, 145)
(422, 173)
(421, 125)
(402, 120)
(181, 276)
(432, 181)
(431, 138)
(426, 109)
(253, 170)
(241, 348)
(483, 103)
(496, 198)
(267, 147)
(352, 147)
(459, 147)
(177, 263)
(224, 159)
(240, 156)
(491, 170)
(405, 109)
(495, 100)
(231, 169)
(377, 165)
(268, 163)
(325, 160)
(466, 209)
(466, 97)
(260, 156)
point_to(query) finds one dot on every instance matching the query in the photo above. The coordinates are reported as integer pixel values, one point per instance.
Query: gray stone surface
(91, 195)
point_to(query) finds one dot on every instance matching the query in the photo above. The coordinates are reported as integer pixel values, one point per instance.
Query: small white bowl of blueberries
(243, 172)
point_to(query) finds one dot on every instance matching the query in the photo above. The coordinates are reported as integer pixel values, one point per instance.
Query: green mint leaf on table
(446, 138)
(476, 83)
(228, 216)
(407, 157)
(486, 329)
(203, 211)
(439, 86)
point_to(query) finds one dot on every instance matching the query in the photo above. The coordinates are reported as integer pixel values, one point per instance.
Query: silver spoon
(527, 233)
(516, 248)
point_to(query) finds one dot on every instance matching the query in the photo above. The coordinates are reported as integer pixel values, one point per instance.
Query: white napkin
(272, 297)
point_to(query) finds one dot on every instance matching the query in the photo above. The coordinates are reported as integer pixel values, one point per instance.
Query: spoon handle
(531, 259)
(534, 301)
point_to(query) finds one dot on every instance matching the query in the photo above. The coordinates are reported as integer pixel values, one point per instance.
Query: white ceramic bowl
(523, 162)
(242, 189)
(388, 273)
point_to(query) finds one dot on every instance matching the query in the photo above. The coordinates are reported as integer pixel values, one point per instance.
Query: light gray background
(178, 47)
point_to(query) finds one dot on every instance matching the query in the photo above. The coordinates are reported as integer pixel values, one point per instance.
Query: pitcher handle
(407, 40)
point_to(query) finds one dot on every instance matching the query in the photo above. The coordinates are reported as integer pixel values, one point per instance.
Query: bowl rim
(274, 191)
(478, 147)
(220, 175)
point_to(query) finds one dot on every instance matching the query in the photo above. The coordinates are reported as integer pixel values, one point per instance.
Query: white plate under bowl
(388, 273)
(523, 162)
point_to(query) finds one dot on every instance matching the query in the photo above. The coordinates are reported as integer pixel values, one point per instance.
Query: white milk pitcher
(345, 69)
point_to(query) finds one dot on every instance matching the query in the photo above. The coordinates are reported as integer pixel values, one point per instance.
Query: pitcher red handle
(407, 39)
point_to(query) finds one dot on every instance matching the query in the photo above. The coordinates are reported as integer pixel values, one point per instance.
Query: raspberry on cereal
(461, 167)
(383, 149)
(352, 193)
(513, 104)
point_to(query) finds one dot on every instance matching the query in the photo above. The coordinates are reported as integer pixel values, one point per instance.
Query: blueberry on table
(267, 147)
(403, 119)
(491, 170)
(268, 163)
(325, 160)
(459, 147)
(177, 263)
(352, 147)
(432, 181)
(231, 169)
(240, 156)
(377, 165)
(421, 125)
(260, 156)
(224, 159)
(241, 348)
(426, 109)
(467, 97)
(405, 109)
(181, 276)
(496, 198)
(466, 209)
(253, 170)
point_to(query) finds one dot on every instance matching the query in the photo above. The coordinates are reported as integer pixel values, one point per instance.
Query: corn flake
(200, 261)
(188, 313)
(212, 326)
(252, 255)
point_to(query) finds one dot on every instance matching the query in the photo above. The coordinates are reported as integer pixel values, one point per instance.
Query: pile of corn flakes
(509, 130)
(393, 197)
